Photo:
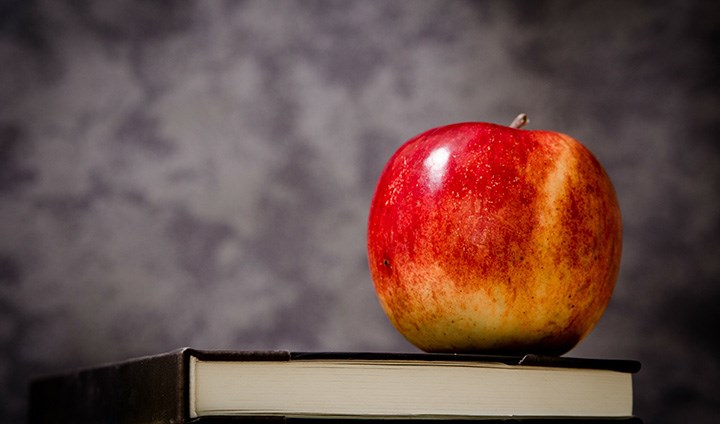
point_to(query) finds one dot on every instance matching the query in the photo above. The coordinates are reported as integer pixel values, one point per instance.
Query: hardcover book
(191, 385)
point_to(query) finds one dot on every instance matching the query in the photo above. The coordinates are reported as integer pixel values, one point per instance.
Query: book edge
(591, 411)
(621, 365)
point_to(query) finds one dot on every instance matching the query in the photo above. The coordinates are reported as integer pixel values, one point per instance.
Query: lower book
(190, 385)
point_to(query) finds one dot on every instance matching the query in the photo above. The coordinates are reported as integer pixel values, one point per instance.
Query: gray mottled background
(198, 173)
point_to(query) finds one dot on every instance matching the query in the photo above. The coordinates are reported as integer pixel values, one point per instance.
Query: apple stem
(520, 121)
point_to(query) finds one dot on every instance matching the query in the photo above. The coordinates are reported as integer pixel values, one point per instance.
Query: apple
(485, 238)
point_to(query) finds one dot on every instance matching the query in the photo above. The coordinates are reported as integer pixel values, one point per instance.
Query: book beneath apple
(191, 385)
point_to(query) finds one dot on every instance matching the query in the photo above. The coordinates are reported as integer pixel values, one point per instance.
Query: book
(189, 385)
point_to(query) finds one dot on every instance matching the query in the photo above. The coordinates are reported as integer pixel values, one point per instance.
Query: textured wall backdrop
(198, 173)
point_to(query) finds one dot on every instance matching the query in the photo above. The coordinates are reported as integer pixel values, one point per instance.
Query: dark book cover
(155, 389)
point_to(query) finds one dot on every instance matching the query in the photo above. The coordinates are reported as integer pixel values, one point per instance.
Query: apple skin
(490, 239)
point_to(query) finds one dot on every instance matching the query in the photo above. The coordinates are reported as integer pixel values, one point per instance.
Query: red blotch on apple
(491, 239)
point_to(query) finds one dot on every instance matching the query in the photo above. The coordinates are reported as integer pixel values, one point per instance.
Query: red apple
(491, 239)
